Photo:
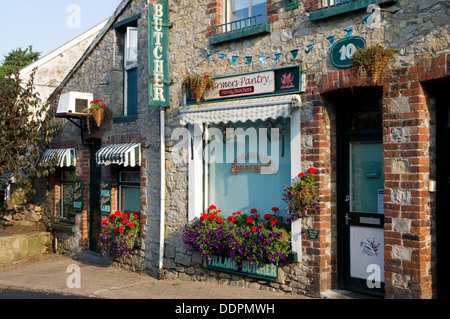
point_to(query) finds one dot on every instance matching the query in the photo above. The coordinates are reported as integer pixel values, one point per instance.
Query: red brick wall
(406, 83)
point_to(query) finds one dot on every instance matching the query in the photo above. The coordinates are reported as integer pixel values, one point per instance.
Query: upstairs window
(246, 13)
(130, 70)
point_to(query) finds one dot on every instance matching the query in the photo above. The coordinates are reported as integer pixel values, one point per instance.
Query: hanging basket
(98, 115)
(197, 90)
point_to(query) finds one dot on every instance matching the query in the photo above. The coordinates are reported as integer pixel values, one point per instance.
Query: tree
(24, 128)
(18, 59)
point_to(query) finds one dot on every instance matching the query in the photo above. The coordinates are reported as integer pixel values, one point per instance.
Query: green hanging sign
(105, 197)
(344, 49)
(158, 53)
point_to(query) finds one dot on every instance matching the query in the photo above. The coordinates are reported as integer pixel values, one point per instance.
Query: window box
(63, 224)
(330, 8)
(239, 29)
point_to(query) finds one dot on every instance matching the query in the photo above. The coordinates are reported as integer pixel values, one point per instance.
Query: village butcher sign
(158, 33)
(264, 271)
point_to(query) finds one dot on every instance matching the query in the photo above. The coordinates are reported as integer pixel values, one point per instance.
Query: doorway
(439, 90)
(95, 214)
(360, 187)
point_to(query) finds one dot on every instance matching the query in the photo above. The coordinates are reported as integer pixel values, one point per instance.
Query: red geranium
(131, 225)
(105, 221)
(231, 219)
(267, 216)
(274, 221)
(249, 219)
(253, 211)
(213, 216)
(118, 213)
(212, 207)
(219, 220)
(311, 170)
(136, 216)
(120, 230)
(301, 174)
(124, 216)
(275, 209)
(254, 229)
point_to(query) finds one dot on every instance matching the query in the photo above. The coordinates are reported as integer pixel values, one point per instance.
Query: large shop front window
(250, 167)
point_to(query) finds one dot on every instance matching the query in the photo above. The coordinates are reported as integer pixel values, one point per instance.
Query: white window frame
(198, 173)
(128, 67)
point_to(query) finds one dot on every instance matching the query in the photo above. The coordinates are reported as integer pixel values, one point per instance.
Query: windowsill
(342, 8)
(241, 33)
(128, 118)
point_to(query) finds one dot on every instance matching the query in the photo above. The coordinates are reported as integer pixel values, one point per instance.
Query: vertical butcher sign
(158, 33)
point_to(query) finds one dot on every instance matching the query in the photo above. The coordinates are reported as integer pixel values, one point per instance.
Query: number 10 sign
(344, 49)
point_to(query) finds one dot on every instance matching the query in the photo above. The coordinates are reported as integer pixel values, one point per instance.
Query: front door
(95, 214)
(360, 192)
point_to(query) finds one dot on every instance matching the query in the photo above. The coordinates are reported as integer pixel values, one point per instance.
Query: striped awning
(65, 157)
(241, 110)
(120, 154)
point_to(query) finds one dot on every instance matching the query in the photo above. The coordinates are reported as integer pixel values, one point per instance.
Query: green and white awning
(120, 154)
(65, 157)
(242, 110)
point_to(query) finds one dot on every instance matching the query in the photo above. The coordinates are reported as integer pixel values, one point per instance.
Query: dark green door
(94, 198)
(360, 192)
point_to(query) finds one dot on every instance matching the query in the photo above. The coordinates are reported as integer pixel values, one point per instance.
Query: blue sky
(48, 24)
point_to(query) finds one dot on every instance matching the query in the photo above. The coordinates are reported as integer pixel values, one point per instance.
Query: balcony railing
(241, 24)
(240, 29)
(328, 8)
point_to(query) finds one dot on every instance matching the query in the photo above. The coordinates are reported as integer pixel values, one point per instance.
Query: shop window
(322, 9)
(242, 18)
(66, 196)
(251, 170)
(129, 191)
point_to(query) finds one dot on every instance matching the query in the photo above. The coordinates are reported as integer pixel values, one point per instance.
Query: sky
(48, 24)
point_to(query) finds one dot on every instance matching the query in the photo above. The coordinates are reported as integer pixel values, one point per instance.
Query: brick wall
(407, 139)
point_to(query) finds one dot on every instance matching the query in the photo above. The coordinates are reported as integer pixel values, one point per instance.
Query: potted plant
(301, 196)
(97, 111)
(375, 60)
(241, 236)
(198, 84)
(119, 234)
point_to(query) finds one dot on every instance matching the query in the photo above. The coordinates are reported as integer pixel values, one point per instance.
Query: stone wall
(22, 215)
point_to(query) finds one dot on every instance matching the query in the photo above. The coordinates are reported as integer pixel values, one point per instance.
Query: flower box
(63, 224)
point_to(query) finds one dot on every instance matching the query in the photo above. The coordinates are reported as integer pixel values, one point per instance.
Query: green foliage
(16, 60)
(25, 125)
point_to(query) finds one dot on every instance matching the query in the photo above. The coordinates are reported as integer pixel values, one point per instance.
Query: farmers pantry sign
(242, 85)
(284, 80)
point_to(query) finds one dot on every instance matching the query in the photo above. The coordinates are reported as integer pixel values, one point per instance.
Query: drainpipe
(163, 192)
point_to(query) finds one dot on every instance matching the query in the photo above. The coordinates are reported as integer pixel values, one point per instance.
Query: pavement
(53, 273)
